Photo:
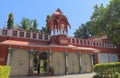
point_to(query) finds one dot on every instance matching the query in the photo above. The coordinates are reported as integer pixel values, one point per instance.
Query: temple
(35, 53)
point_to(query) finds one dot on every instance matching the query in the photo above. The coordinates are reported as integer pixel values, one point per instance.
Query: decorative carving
(59, 39)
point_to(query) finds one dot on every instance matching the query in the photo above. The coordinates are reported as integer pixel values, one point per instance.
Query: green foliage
(46, 29)
(107, 70)
(10, 21)
(26, 24)
(98, 27)
(29, 25)
(84, 31)
(4, 71)
(106, 20)
(35, 24)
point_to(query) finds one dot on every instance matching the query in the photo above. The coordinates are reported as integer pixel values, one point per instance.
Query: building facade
(35, 53)
(29, 51)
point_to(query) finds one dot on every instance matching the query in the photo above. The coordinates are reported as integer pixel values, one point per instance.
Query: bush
(96, 76)
(107, 70)
(4, 71)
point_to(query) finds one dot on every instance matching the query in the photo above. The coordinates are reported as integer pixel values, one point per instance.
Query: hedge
(4, 71)
(107, 70)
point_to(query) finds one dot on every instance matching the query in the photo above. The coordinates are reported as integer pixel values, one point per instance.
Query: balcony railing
(91, 43)
(45, 37)
(23, 34)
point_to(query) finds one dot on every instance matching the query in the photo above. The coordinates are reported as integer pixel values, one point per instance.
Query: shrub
(4, 71)
(107, 70)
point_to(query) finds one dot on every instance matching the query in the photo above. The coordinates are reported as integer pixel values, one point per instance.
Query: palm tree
(26, 24)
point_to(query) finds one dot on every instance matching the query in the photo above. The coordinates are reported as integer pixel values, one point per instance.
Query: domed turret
(58, 23)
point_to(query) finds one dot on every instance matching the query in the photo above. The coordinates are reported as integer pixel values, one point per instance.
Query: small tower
(58, 23)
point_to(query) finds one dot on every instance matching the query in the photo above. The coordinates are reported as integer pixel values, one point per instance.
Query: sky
(76, 11)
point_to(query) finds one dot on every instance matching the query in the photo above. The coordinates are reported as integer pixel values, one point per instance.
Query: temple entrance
(40, 63)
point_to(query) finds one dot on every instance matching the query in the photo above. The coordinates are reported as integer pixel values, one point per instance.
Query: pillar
(108, 57)
(30, 62)
(83, 42)
(9, 32)
(49, 37)
(91, 57)
(80, 68)
(18, 33)
(43, 36)
(1, 31)
(66, 62)
(31, 35)
(50, 59)
(50, 71)
(37, 36)
(24, 34)
(9, 55)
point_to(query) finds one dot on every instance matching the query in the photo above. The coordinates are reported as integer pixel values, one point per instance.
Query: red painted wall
(3, 54)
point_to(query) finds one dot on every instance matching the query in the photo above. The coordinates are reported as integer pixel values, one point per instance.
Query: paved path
(88, 75)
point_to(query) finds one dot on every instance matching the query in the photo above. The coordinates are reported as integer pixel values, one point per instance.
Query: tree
(113, 24)
(35, 24)
(46, 29)
(10, 22)
(97, 19)
(47, 26)
(84, 31)
(26, 24)
(107, 21)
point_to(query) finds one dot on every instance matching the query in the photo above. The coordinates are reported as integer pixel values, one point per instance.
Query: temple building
(35, 53)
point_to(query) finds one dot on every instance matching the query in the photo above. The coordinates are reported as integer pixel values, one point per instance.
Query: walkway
(88, 75)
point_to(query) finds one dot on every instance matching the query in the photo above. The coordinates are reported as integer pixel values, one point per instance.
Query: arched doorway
(40, 63)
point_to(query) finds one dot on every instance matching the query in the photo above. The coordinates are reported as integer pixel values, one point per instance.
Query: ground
(88, 75)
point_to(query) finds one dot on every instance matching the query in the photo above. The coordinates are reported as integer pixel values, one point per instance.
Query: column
(51, 70)
(83, 42)
(1, 31)
(18, 33)
(43, 36)
(31, 62)
(8, 57)
(24, 34)
(75, 40)
(31, 35)
(91, 56)
(71, 40)
(92, 43)
(80, 63)
(48, 37)
(9, 32)
(86, 42)
(50, 59)
(37, 36)
(100, 44)
(66, 62)
(108, 57)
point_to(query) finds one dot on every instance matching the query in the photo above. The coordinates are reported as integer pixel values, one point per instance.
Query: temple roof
(31, 44)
